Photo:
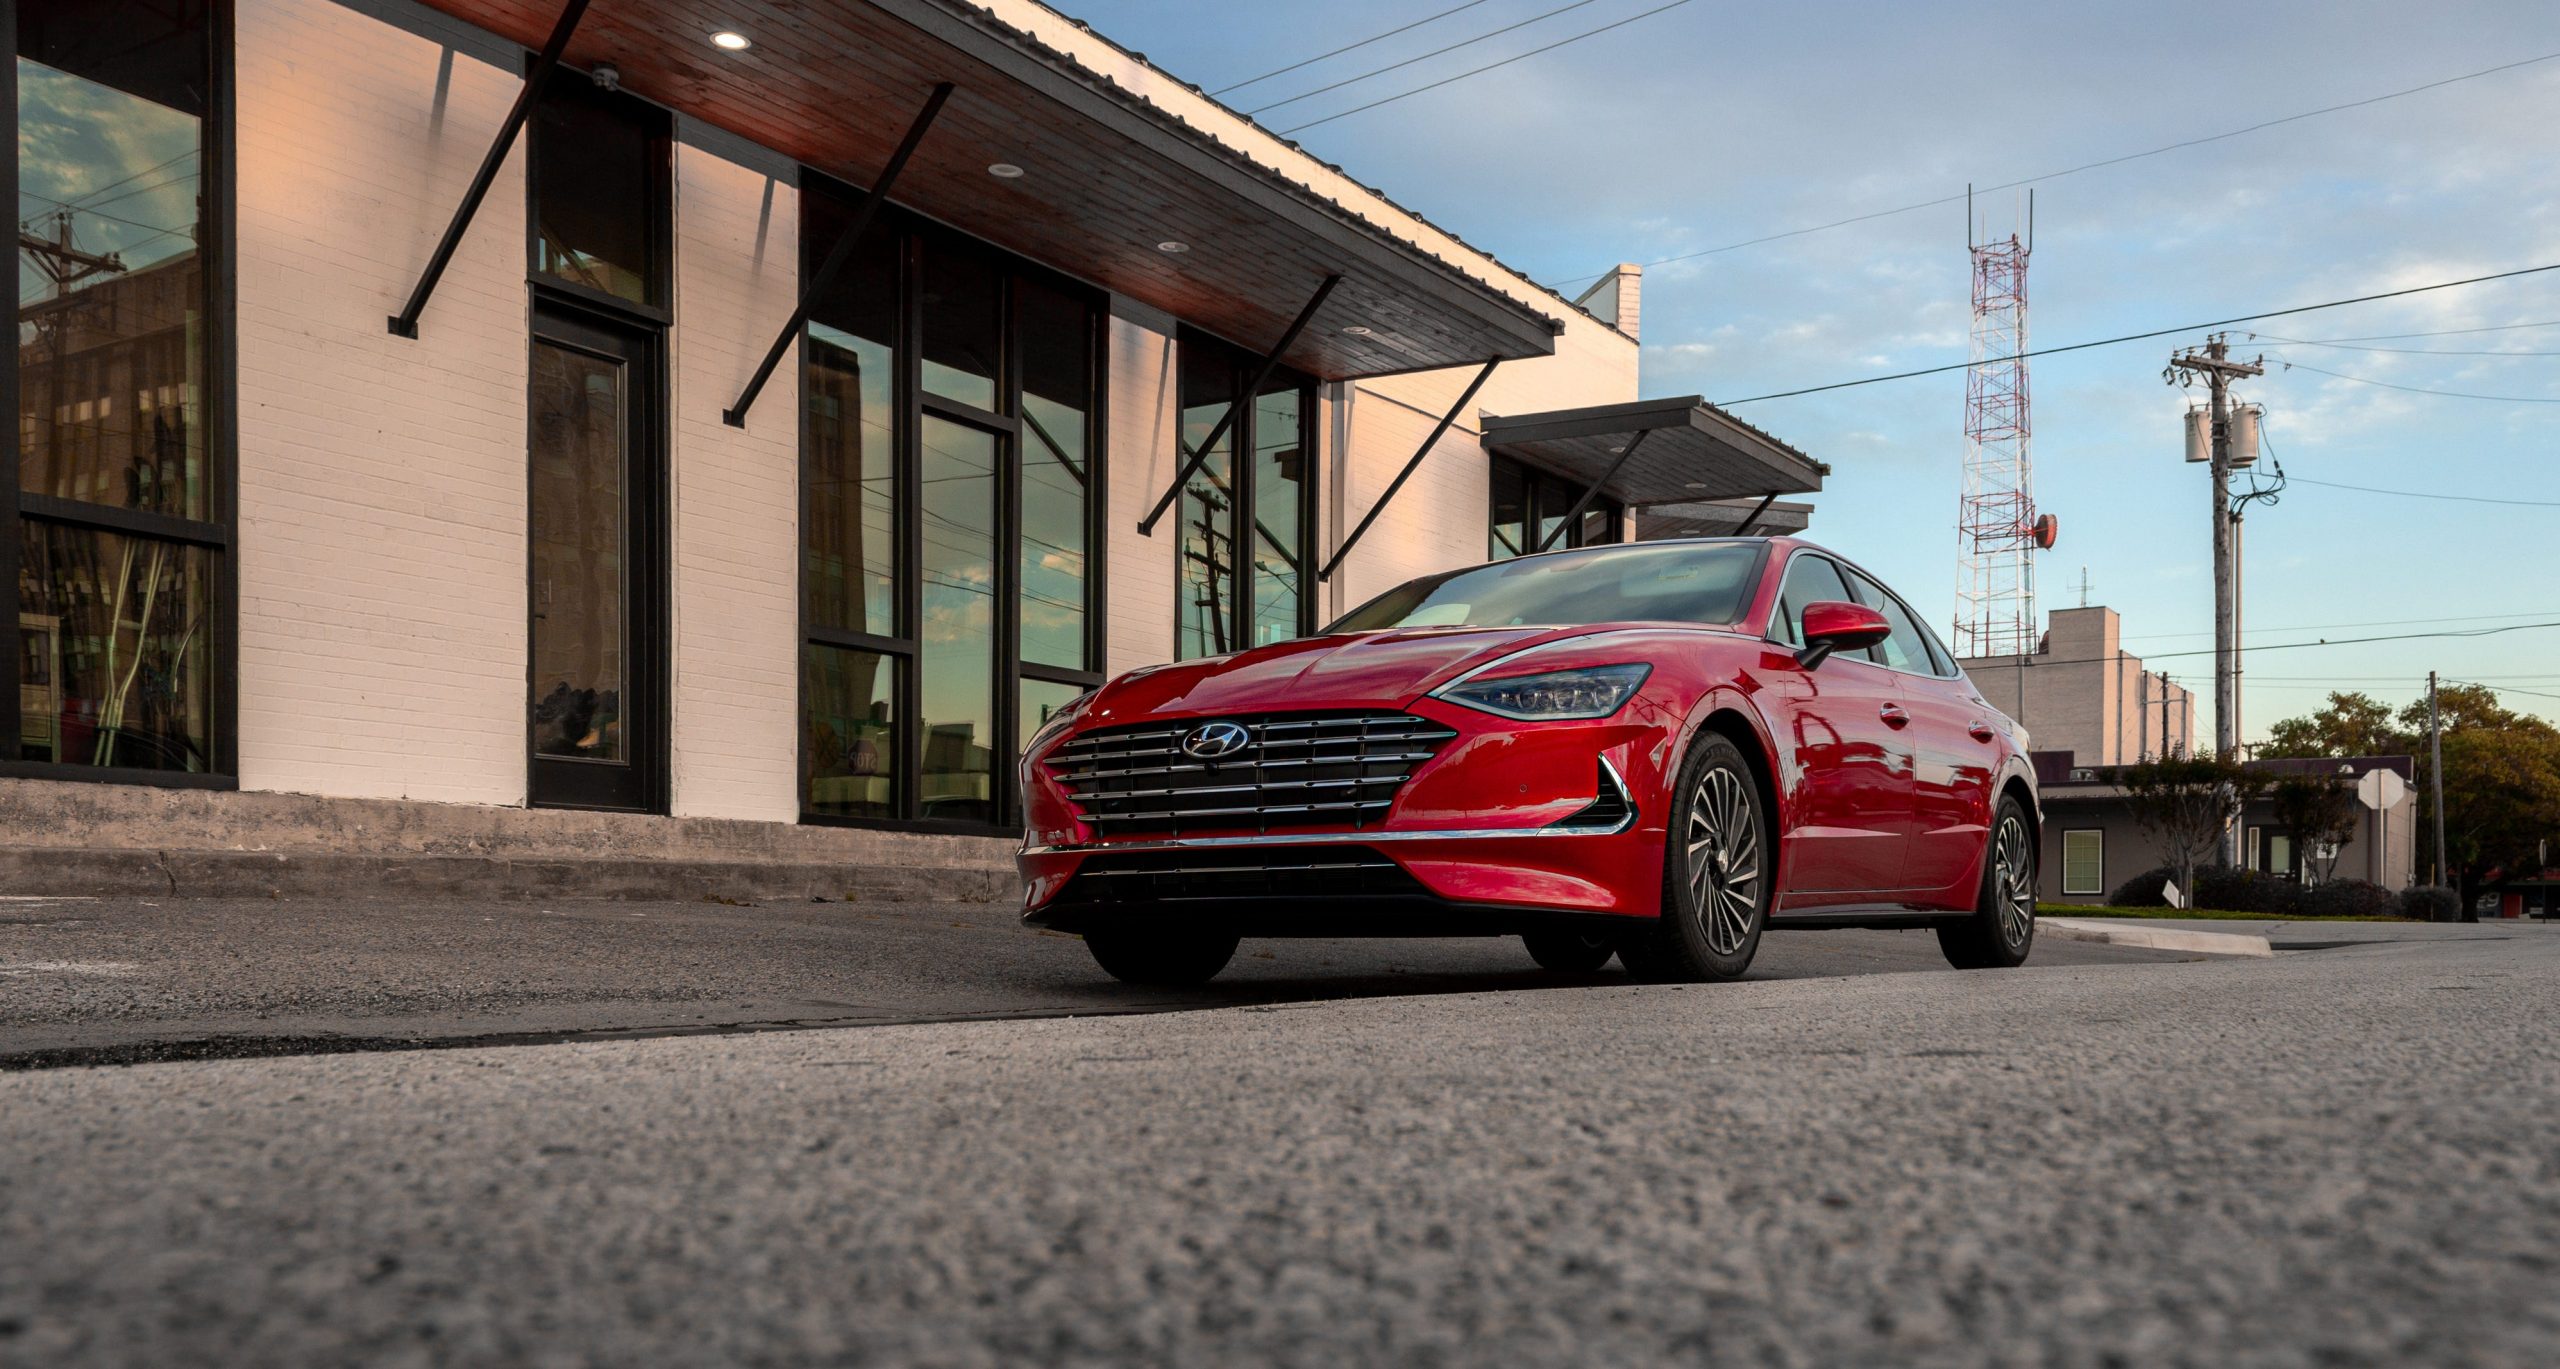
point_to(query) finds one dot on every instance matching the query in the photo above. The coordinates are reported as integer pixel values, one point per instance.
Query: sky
(1715, 122)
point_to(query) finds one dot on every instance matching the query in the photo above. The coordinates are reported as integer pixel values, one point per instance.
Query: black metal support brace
(1593, 492)
(1437, 432)
(1270, 361)
(736, 414)
(405, 323)
(1743, 528)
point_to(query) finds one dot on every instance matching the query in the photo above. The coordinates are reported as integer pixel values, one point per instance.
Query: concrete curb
(415, 875)
(2131, 932)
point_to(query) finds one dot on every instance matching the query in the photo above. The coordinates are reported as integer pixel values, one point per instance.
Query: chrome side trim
(1352, 838)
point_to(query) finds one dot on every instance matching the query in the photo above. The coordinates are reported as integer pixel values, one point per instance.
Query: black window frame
(913, 235)
(1541, 490)
(218, 228)
(567, 308)
(1243, 439)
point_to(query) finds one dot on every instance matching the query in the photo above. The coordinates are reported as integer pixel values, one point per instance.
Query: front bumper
(1502, 831)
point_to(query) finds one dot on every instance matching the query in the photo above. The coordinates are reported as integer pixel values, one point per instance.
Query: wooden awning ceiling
(1656, 451)
(1722, 518)
(1106, 175)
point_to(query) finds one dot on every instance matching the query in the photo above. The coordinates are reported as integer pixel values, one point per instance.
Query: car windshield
(1677, 582)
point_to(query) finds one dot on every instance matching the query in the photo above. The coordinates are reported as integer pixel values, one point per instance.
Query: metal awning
(1656, 451)
(1722, 518)
(1107, 174)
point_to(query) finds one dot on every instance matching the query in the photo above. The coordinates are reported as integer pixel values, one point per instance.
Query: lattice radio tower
(1998, 531)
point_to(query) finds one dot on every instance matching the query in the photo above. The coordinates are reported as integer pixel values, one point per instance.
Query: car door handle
(1893, 715)
(1982, 731)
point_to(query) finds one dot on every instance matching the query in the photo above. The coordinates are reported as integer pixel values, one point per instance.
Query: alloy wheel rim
(1723, 865)
(2015, 889)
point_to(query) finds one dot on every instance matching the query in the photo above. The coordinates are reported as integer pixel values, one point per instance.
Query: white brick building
(509, 556)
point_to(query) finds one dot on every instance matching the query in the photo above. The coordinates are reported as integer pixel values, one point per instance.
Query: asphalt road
(111, 980)
(2329, 1157)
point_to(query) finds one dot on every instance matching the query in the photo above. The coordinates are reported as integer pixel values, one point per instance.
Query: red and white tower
(1997, 530)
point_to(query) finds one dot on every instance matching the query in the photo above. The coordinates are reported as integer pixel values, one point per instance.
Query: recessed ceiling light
(1005, 171)
(730, 41)
(1697, 484)
(1356, 329)
(1613, 451)
(1169, 245)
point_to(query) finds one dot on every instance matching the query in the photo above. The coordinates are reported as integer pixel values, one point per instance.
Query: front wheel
(2002, 927)
(1161, 957)
(1716, 873)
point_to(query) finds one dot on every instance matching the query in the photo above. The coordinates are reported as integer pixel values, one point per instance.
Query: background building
(671, 520)
(2081, 692)
(2092, 844)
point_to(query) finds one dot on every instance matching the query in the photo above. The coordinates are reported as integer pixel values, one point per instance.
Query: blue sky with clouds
(1715, 122)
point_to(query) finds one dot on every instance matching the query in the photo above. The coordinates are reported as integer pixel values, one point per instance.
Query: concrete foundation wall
(381, 546)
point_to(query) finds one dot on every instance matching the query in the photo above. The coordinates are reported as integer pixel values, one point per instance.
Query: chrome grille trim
(1293, 771)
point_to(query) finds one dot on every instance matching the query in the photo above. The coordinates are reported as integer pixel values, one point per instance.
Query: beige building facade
(551, 568)
(2081, 692)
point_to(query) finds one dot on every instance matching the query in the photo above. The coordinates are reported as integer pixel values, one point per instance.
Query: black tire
(1569, 952)
(1717, 873)
(1161, 957)
(2002, 928)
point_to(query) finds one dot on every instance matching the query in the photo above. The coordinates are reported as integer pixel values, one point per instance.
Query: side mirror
(1831, 626)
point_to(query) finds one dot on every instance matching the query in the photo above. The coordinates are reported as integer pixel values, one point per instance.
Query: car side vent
(1611, 811)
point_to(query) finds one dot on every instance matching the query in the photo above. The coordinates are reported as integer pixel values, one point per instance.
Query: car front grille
(1149, 877)
(1293, 771)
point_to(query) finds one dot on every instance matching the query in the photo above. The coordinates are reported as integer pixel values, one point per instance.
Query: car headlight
(1588, 692)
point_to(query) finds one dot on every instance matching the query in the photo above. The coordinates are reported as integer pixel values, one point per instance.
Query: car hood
(1350, 670)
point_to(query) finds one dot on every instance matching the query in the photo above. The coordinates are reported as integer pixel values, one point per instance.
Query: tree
(2352, 724)
(2322, 812)
(2501, 785)
(2184, 803)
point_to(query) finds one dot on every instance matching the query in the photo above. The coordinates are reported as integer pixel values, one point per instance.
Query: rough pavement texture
(116, 973)
(2324, 1158)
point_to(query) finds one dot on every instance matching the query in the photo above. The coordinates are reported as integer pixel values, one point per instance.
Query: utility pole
(2213, 362)
(2435, 769)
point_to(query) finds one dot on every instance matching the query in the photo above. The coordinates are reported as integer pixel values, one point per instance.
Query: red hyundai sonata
(1656, 751)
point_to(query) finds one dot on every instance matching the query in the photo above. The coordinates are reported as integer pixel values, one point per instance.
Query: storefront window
(115, 646)
(1243, 543)
(948, 432)
(1530, 506)
(589, 229)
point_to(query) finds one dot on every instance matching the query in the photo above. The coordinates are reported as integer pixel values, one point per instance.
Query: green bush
(2430, 903)
(2231, 890)
(2348, 898)
(2146, 890)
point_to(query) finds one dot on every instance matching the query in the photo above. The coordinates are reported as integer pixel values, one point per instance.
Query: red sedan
(1656, 751)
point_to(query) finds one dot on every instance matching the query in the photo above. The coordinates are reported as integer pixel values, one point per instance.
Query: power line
(1479, 71)
(2037, 662)
(2421, 494)
(2137, 337)
(2377, 622)
(2417, 389)
(2071, 171)
(1293, 66)
(1409, 61)
(2280, 343)
(2441, 332)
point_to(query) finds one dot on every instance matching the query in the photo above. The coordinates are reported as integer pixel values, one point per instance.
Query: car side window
(1810, 580)
(1907, 648)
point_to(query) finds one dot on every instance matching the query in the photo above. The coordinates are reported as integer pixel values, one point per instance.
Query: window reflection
(1057, 389)
(848, 525)
(111, 283)
(1204, 603)
(848, 742)
(114, 650)
(580, 656)
(593, 168)
(956, 653)
(1279, 515)
(963, 325)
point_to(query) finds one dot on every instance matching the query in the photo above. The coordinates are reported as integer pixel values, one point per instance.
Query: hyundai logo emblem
(1209, 741)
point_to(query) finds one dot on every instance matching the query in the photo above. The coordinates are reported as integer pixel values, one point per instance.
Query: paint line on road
(2109, 933)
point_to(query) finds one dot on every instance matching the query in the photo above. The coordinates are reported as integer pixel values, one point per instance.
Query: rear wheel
(1163, 957)
(1716, 873)
(1569, 952)
(2002, 928)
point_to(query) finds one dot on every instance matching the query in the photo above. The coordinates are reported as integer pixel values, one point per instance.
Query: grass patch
(2189, 914)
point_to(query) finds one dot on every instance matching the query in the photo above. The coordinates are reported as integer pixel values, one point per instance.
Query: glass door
(595, 710)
